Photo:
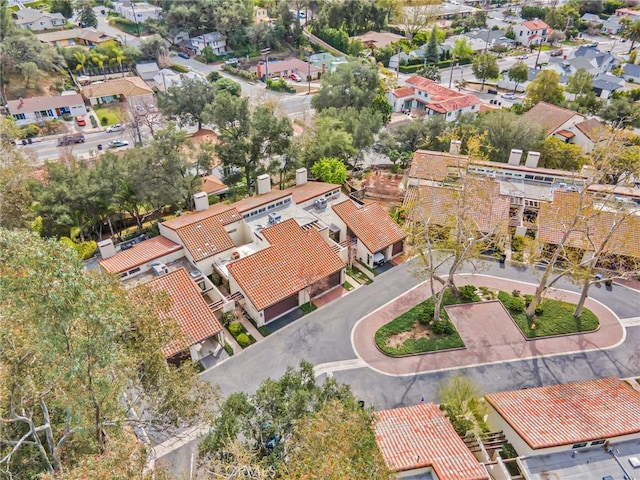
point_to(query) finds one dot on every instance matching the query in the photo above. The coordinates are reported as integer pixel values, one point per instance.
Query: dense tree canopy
(545, 88)
(330, 170)
(354, 84)
(186, 102)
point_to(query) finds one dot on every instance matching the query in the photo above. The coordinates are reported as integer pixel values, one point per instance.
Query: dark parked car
(492, 92)
(184, 55)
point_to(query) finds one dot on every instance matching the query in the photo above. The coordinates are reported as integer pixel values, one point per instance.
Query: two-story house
(32, 19)
(215, 40)
(138, 12)
(532, 32)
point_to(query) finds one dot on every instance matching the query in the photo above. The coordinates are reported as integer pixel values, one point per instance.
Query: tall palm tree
(81, 59)
(632, 32)
(118, 55)
(461, 49)
(99, 59)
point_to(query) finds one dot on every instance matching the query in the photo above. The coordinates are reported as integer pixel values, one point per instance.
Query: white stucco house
(36, 20)
(42, 109)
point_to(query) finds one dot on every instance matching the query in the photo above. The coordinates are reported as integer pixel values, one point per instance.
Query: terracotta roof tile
(420, 436)
(139, 254)
(128, 87)
(535, 25)
(593, 230)
(403, 92)
(453, 104)
(570, 413)
(549, 117)
(593, 129)
(189, 218)
(370, 223)
(483, 206)
(208, 236)
(212, 184)
(188, 308)
(294, 260)
(257, 200)
(566, 133)
(435, 166)
(309, 190)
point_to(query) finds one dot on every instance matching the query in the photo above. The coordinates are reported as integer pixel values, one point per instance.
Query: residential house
(477, 44)
(492, 39)
(213, 186)
(631, 72)
(275, 251)
(432, 99)
(591, 19)
(260, 15)
(284, 68)
(76, 36)
(167, 78)
(147, 71)
(531, 32)
(326, 61)
(419, 53)
(41, 109)
(198, 333)
(631, 13)
(133, 90)
(418, 442)
(35, 20)
(552, 119)
(612, 25)
(138, 12)
(604, 85)
(215, 40)
(370, 225)
(587, 430)
(588, 134)
(373, 39)
(508, 84)
(598, 216)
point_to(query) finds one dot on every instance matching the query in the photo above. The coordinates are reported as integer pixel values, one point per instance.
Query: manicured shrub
(236, 328)
(442, 327)
(527, 299)
(243, 340)
(67, 117)
(468, 292)
(539, 309)
(94, 122)
(104, 121)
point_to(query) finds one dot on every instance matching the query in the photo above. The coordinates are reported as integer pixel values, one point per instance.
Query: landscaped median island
(416, 332)
(553, 317)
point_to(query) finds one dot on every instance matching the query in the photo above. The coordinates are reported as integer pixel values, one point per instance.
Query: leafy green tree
(77, 364)
(354, 84)
(554, 153)
(461, 49)
(485, 65)
(29, 70)
(432, 72)
(505, 131)
(518, 73)
(328, 138)
(65, 7)
(545, 88)
(580, 83)
(229, 85)
(248, 139)
(6, 25)
(153, 47)
(186, 103)
(16, 178)
(381, 105)
(530, 12)
(620, 112)
(86, 16)
(432, 55)
(330, 170)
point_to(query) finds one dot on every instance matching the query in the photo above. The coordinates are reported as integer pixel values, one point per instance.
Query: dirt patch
(418, 331)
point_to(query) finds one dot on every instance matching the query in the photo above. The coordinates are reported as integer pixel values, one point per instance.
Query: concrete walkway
(488, 339)
(253, 331)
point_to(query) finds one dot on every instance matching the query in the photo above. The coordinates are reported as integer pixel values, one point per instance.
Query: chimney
(301, 176)
(201, 201)
(515, 156)
(107, 249)
(532, 159)
(454, 147)
(20, 102)
(264, 183)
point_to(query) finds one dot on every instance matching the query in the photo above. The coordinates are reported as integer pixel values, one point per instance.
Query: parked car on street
(509, 96)
(116, 127)
(556, 53)
(183, 55)
(67, 139)
(80, 121)
(522, 57)
(295, 77)
(118, 143)
(231, 61)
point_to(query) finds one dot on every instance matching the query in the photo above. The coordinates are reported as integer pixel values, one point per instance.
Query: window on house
(598, 442)
(579, 445)
(20, 116)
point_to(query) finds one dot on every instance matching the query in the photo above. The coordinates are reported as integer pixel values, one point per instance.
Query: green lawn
(112, 114)
(358, 275)
(308, 307)
(410, 320)
(347, 286)
(556, 318)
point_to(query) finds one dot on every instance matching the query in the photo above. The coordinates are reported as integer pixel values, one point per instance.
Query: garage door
(325, 284)
(397, 248)
(281, 307)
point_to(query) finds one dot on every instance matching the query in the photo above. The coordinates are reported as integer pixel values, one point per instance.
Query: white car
(116, 127)
(509, 96)
(522, 57)
(118, 143)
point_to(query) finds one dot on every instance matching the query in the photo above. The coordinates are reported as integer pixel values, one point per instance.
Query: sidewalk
(488, 338)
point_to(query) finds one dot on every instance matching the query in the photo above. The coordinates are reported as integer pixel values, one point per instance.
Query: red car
(80, 121)
(295, 77)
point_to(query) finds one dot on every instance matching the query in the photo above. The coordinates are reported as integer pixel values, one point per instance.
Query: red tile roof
(593, 129)
(420, 436)
(570, 413)
(189, 218)
(208, 236)
(309, 190)
(295, 260)
(211, 184)
(370, 223)
(453, 104)
(188, 308)
(594, 228)
(566, 133)
(549, 117)
(139, 254)
(535, 25)
(436, 91)
(482, 208)
(428, 165)
(257, 200)
(403, 92)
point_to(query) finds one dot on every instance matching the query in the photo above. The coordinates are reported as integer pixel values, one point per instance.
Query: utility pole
(135, 18)
(265, 53)
(398, 64)
(538, 56)
(309, 75)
